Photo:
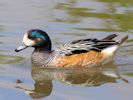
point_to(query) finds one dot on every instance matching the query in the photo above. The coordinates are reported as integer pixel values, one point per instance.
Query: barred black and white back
(85, 45)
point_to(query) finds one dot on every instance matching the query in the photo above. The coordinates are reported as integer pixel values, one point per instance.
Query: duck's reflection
(41, 89)
(83, 77)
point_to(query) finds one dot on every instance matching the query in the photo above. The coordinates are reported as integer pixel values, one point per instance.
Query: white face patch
(28, 41)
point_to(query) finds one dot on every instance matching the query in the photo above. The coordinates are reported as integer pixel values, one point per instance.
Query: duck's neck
(46, 46)
(43, 49)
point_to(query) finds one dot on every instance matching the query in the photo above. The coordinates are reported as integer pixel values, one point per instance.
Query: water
(64, 21)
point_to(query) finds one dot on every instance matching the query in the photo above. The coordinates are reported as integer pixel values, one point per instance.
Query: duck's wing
(85, 45)
(110, 37)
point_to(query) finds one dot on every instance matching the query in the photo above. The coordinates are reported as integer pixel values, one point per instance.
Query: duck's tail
(112, 36)
(112, 49)
(123, 40)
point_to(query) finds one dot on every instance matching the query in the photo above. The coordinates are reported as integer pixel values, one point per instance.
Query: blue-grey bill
(21, 47)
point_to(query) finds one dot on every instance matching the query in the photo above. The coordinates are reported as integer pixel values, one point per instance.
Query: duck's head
(35, 38)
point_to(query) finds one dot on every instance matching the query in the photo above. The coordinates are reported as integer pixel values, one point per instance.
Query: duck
(82, 53)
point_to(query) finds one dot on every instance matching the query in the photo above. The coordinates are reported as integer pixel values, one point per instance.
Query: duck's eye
(31, 37)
